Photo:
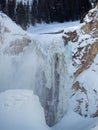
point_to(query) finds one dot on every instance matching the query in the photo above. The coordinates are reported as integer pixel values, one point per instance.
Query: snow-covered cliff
(84, 42)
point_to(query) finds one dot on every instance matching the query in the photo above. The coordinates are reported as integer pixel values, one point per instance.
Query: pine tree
(45, 10)
(22, 16)
(3, 5)
(10, 7)
(33, 12)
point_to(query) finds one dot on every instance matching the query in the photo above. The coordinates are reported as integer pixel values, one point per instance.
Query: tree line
(44, 11)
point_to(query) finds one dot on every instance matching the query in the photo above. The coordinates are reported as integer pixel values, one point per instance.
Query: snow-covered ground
(52, 27)
(96, 128)
(73, 121)
(21, 110)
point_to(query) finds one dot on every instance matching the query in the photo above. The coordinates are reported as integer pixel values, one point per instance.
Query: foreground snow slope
(96, 128)
(21, 110)
(73, 121)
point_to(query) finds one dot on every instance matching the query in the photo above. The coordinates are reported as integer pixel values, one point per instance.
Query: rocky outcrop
(85, 106)
(89, 27)
(91, 23)
(84, 42)
(18, 45)
(70, 36)
(90, 51)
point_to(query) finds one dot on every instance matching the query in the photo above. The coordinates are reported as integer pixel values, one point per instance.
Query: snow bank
(96, 128)
(21, 110)
(6, 24)
(73, 121)
(52, 27)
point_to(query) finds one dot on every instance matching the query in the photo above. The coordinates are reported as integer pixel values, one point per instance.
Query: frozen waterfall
(41, 66)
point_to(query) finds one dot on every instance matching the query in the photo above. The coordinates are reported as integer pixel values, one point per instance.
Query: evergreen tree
(10, 7)
(33, 12)
(45, 10)
(22, 16)
(3, 5)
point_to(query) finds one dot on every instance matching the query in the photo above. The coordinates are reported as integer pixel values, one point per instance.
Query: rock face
(84, 42)
(90, 51)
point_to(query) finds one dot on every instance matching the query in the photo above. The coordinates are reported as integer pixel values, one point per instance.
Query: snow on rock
(91, 23)
(84, 43)
(21, 110)
(12, 38)
(7, 25)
